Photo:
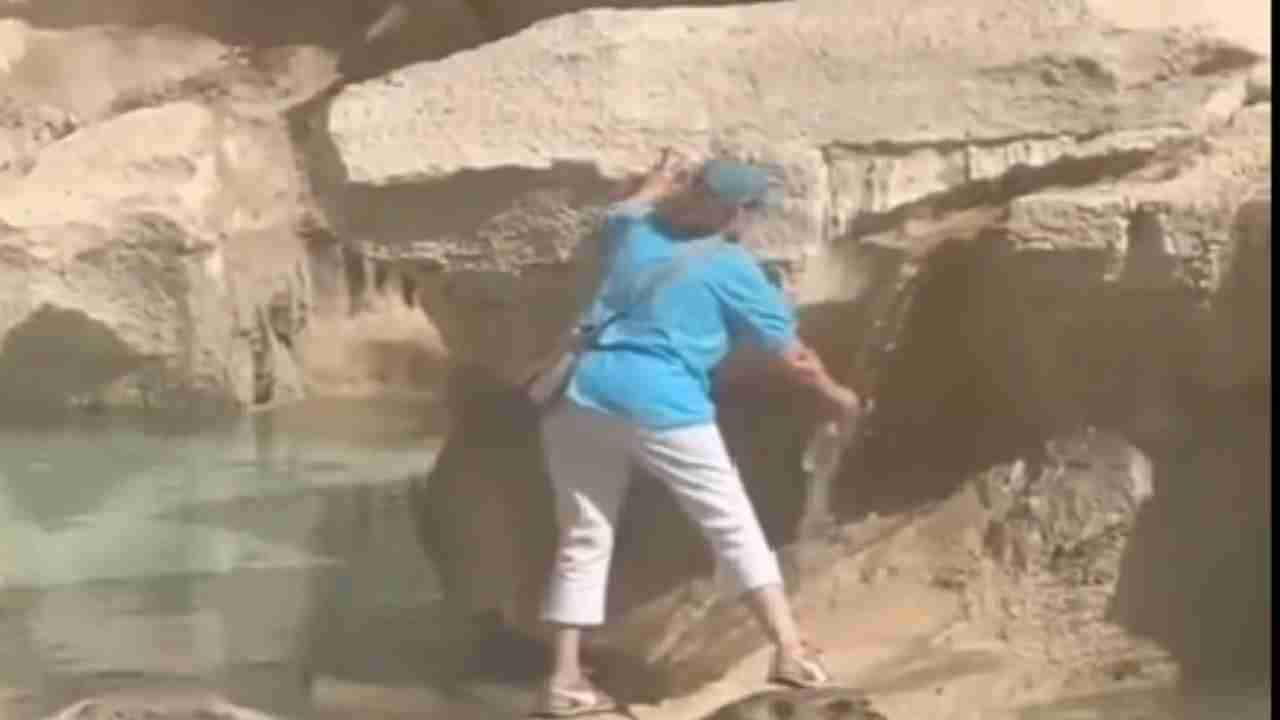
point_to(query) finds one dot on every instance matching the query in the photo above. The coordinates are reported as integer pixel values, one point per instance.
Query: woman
(676, 298)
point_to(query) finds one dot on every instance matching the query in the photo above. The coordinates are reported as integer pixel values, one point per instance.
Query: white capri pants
(589, 457)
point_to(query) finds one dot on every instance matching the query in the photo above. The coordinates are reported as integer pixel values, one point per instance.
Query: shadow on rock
(825, 704)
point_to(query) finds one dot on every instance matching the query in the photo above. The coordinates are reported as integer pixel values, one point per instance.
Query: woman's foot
(800, 667)
(573, 699)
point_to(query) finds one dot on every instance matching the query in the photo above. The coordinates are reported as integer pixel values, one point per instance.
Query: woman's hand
(836, 402)
(841, 405)
(671, 174)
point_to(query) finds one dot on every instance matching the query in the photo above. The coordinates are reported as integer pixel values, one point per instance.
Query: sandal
(575, 701)
(803, 670)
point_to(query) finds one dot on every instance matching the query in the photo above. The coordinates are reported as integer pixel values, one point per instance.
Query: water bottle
(820, 462)
(823, 450)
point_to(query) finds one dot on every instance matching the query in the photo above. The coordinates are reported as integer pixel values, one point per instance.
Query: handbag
(549, 380)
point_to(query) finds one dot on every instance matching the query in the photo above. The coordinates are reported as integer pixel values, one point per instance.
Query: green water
(253, 556)
(244, 556)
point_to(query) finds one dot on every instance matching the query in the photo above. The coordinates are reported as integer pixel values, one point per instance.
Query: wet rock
(486, 503)
(824, 704)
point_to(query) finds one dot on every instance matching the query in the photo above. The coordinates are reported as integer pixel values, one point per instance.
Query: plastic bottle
(823, 450)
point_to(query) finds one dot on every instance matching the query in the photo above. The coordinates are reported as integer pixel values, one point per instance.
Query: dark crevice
(1223, 58)
(56, 354)
(326, 270)
(1146, 260)
(263, 377)
(896, 148)
(503, 17)
(356, 280)
(409, 291)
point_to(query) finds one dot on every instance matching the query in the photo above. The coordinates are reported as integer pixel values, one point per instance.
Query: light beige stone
(25, 128)
(1247, 22)
(1153, 233)
(87, 71)
(220, 174)
(83, 305)
(625, 83)
(498, 160)
(151, 214)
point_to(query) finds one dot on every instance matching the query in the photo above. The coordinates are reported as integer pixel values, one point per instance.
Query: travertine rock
(83, 305)
(24, 129)
(498, 160)
(135, 231)
(608, 88)
(219, 173)
(1154, 233)
(88, 72)
(1099, 200)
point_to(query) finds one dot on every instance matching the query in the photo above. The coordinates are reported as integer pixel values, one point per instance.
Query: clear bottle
(823, 450)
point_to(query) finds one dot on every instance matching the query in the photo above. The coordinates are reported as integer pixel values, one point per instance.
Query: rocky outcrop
(1005, 100)
(1032, 547)
(434, 238)
(76, 318)
(24, 129)
(834, 704)
(129, 240)
(87, 73)
(200, 142)
(157, 708)
(1059, 254)
(1007, 220)
(1058, 533)
(774, 87)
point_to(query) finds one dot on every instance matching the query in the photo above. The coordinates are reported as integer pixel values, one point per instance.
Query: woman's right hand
(840, 402)
(671, 173)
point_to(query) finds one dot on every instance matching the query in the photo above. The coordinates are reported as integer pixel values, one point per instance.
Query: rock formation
(1071, 267)
(177, 708)
(1008, 220)
(800, 705)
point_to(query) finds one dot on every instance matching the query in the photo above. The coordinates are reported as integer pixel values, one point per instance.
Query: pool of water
(248, 557)
(272, 559)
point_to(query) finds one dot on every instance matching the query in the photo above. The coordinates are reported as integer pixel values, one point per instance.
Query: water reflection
(244, 557)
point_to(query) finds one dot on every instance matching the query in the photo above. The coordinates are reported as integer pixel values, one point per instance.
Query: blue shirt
(653, 364)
